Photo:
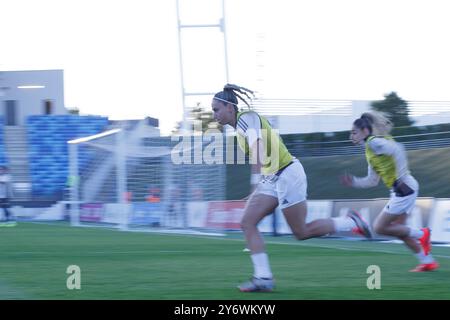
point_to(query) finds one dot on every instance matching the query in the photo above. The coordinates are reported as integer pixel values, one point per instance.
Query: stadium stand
(48, 152)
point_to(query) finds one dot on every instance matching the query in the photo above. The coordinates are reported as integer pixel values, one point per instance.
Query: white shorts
(289, 187)
(399, 205)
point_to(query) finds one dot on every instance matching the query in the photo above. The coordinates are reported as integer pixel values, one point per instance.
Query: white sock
(415, 233)
(261, 265)
(424, 258)
(343, 224)
(429, 258)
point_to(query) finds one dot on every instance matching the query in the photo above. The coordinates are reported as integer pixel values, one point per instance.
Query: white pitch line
(332, 247)
(351, 248)
(304, 244)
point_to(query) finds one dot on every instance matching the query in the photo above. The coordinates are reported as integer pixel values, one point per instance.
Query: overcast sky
(120, 57)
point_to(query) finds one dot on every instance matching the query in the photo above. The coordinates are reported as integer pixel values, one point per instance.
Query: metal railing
(345, 147)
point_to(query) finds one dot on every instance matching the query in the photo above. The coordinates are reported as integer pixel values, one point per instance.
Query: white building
(24, 93)
(306, 116)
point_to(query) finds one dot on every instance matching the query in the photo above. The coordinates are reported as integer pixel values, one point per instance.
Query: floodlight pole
(222, 27)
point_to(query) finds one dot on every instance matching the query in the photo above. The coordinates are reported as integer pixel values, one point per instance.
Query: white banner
(197, 214)
(440, 221)
(201, 213)
(116, 213)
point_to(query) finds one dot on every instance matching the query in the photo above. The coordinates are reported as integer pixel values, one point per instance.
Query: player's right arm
(371, 180)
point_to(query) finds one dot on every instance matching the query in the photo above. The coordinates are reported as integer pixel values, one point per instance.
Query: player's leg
(296, 216)
(292, 191)
(392, 222)
(409, 241)
(387, 224)
(415, 239)
(258, 206)
(291, 188)
(412, 243)
(395, 211)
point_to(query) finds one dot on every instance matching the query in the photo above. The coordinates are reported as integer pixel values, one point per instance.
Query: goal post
(116, 152)
(127, 179)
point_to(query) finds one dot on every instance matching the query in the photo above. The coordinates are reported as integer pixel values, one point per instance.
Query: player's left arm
(250, 125)
(257, 150)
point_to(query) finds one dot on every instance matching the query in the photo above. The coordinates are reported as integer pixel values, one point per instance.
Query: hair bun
(230, 86)
(367, 117)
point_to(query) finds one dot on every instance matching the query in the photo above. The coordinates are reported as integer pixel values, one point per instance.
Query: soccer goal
(127, 179)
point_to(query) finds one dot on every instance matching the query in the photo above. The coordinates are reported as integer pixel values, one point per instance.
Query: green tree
(200, 114)
(396, 108)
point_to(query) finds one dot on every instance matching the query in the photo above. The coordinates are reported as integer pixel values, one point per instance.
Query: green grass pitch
(131, 265)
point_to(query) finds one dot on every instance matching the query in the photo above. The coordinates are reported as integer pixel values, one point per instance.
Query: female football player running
(387, 159)
(278, 179)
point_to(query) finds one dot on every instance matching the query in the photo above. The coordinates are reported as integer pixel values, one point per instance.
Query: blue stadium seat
(48, 152)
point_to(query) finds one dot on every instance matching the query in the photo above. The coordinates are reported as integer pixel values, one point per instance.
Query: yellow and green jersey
(250, 127)
(384, 165)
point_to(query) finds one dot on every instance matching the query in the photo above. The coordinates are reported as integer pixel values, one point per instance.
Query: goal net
(133, 180)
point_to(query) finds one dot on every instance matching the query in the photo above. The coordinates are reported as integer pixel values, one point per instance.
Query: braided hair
(377, 123)
(231, 93)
